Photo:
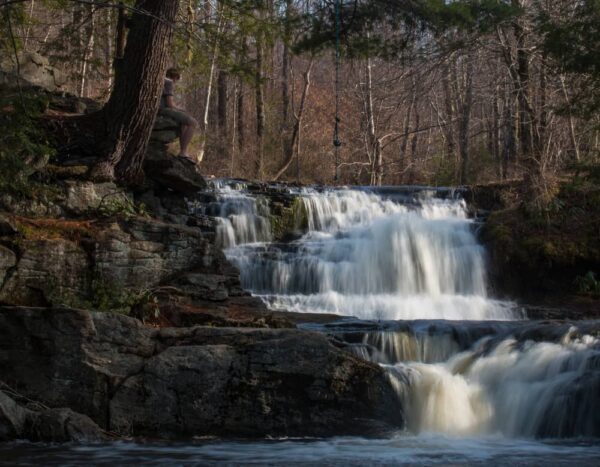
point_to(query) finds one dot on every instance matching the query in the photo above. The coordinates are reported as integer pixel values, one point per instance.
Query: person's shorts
(180, 117)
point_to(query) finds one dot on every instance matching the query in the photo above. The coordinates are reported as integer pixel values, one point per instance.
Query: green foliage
(24, 146)
(119, 205)
(444, 171)
(587, 284)
(109, 296)
(572, 39)
(388, 28)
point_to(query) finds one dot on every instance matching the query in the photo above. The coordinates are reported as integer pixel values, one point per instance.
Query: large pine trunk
(131, 109)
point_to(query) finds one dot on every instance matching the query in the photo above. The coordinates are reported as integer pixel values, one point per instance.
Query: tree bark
(209, 87)
(240, 102)
(449, 109)
(222, 98)
(465, 118)
(297, 130)
(121, 38)
(87, 53)
(260, 111)
(131, 109)
(373, 142)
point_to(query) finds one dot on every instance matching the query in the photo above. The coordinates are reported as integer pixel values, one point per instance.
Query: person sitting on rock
(188, 124)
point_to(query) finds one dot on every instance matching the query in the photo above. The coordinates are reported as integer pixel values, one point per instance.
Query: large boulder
(33, 69)
(193, 381)
(84, 196)
(169, 171)
(42, 424)
(165, 130)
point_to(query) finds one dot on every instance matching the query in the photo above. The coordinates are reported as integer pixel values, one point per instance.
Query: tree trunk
(572, 134)
(414, 142)
(496, 131)
(449, 109)
(406, 130)
(296, 131)
(131, 109)
(234, 130)
(260, 112)
(465, 118)
(240, 102)
(108, 48)
(87, 53)
(222, 98)
(209, 86)
(121, 38)
(373, 142)
(285, 82)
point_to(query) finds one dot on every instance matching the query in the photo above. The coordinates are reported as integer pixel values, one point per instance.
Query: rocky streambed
(133, 380)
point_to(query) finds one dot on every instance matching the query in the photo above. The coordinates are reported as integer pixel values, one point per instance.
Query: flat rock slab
(194, 381)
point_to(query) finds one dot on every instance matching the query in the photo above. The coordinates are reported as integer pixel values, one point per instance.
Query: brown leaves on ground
(52, 229)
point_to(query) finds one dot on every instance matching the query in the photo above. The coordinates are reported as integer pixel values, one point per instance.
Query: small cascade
(243, 219)
(364, 254)
(516, 380)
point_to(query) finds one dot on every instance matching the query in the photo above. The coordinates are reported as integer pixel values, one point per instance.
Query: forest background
(429, 92)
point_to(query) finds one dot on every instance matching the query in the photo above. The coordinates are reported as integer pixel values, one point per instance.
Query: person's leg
(187, 133)
(187, 128)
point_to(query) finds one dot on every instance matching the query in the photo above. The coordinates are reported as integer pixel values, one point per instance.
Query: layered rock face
(168, 382)
(133, 253)
(81, 245)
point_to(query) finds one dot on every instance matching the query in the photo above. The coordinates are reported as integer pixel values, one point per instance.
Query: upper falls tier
(388, 254)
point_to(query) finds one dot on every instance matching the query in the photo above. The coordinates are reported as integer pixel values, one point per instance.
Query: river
(481, 384)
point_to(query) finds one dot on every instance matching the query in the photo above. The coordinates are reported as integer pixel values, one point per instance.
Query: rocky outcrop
(34, 69)
(172, 172)
(17, 421)
(194, 381)
(58, 264)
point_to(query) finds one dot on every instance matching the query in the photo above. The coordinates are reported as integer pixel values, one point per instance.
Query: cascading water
(412, 255)
(367, 256)
(472, 392)
(533, 382)
(242, 218)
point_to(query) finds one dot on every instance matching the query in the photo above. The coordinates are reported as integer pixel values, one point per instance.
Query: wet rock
(47, 425)
(13, 418)
(7, 226)
(172, 172)
(8, 259)
(62, 425)
(193, 381)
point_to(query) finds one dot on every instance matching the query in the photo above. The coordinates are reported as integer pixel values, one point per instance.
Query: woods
(430, 92)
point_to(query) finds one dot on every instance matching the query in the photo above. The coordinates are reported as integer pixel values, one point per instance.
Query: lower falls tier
(412, 253)
(478, 378)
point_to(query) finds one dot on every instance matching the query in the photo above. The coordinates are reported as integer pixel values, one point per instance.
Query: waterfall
(243, 219)
(513, 381)
(365, 254)
(469, 365)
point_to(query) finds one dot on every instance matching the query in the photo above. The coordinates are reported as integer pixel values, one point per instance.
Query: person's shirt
(168, 90)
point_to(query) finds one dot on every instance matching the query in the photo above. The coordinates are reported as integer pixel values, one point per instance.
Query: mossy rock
(288, 221)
